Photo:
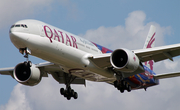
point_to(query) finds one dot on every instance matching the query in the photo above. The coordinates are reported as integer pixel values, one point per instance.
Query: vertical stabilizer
(150, 43)
(150, 40)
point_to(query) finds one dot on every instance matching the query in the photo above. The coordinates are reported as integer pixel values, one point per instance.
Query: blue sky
(105, 22)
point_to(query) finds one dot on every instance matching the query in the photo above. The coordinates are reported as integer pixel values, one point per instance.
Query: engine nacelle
(125, 61)
(27, 75)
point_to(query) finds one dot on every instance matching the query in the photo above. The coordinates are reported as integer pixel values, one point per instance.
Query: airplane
(73, 60)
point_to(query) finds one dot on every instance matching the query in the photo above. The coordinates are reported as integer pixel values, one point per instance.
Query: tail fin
(150, 40)
(149, 43)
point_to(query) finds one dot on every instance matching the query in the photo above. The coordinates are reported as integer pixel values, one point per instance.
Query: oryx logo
(151, 41)
(149, 45)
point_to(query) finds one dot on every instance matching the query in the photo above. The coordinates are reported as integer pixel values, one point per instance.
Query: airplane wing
(167, 75)
(156, 54)
(47, 68)
(6, 71)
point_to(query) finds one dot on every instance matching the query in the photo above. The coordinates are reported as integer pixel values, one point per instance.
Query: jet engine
(126, 61)
(27, 75)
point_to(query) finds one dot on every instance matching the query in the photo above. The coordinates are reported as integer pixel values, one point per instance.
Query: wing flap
(167, 75)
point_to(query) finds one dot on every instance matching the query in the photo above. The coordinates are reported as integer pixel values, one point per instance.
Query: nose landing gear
(26, 51)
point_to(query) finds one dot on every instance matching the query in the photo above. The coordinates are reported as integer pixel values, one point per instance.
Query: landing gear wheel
(122, 86)
(29, 63)
(75, 95)
(68, 93)
(72, 92)
(126, 85)
(62, 91)
(122, 90)
(25, 63)
(123, 83)
(118, 88)
(68, 90)
(115, 83)
(65, 93)
(68, 97)
(129, 88)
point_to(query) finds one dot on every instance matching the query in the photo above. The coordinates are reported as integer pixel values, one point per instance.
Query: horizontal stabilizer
(167, 75)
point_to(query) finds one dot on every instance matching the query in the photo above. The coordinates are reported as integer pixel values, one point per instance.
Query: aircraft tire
(72, 92)
(126, 85)
(118, 88)
(29, 63)
(123, 83)
(62, 91)
(116, 84)
(68, 97)
(75, 95)
(65, 93)
(121, 90)
(129, 88)
(25, 63)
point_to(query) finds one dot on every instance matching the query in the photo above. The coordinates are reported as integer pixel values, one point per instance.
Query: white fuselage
(55, 45)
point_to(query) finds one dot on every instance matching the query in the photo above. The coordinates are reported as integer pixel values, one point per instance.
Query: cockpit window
(25, 26)
(22, 25)
(12, 26)
(19, 25)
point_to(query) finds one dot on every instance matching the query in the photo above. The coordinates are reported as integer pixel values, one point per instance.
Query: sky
(113, 24)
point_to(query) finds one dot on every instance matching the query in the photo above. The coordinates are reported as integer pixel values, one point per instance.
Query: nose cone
(21, 32)
(16, 36)
(16, 40)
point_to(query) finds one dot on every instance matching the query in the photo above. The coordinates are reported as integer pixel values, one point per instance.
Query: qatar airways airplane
(73, 60)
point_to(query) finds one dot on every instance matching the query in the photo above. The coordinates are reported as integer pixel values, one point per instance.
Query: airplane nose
(17, 38)
(15, 31)
(10, 30)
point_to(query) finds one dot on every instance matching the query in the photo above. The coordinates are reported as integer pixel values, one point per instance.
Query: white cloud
(101, 95)
(131, 36)
(171, 65)
(18, 100)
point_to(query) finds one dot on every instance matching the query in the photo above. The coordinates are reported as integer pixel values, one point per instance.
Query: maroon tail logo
(150, 46)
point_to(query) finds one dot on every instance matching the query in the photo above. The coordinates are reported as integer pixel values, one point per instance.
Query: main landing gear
(122, 85)
(68, 92)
